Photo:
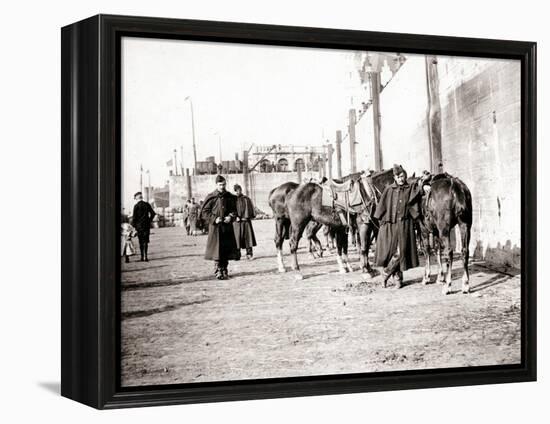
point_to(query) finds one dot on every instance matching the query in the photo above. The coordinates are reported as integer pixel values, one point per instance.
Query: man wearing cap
(219, 210)
(244, 233)
(396, 242)
(141, 219)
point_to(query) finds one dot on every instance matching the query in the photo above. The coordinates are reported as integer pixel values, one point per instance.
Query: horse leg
(427, 250)
(365, 238)
(345, 258)
(315, 245)
(465, 238)
(426, 278)
(296, 232)
(279, 239)
(447, 257)
(340, 234)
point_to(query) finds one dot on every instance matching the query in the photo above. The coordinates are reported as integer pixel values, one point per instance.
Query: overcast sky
(247, 94)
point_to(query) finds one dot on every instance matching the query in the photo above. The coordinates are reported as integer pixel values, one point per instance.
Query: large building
(289, 158)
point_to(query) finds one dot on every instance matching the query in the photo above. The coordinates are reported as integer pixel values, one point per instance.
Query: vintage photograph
(290, 212)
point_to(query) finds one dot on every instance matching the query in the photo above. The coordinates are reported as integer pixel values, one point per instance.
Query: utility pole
(374, 78)
(339, 154)
(434, 114)
(149, 191)
(193, 133)
(330, 151)
(352, 141)
(175, 162)
(141, 178)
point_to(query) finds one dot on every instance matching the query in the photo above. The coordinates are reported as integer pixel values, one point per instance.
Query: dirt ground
(180, 325)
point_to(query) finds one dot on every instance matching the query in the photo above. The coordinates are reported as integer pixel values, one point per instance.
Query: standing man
(141, 218)
(244, 233)
(193, 216)
(396, 244)
(219, 210)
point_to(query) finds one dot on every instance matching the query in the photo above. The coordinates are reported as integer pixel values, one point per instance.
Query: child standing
(127, 232)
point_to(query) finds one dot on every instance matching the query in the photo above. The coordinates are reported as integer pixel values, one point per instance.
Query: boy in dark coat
(396, 242)
(219, 210)
(244, 233)
(141, 219)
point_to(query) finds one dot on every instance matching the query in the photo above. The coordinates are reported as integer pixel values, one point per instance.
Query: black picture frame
(90, 175)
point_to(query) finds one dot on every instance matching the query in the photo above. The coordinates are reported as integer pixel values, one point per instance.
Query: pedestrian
(141, 219)
(186, 217)
(244, 232)
(193, 216)
(127, 233)
(219, 211)
(396, 242)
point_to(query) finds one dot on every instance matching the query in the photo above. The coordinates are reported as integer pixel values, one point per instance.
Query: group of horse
(446, 202)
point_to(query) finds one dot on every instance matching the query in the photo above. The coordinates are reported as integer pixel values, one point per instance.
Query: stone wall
(260, 184)
(480, 113)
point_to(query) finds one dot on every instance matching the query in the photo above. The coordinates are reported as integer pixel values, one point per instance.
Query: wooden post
(434, 115)
(175, 162)
(339, 154)
(352, 140)
(188, 184)
(245, 173)
(375, 90)
(329, 148)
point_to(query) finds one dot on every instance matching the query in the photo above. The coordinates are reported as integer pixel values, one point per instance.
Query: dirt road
(180, 325)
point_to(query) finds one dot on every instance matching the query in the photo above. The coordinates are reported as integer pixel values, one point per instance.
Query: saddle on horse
(343, 197)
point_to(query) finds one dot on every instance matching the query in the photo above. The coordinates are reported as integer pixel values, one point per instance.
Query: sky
(241, 94)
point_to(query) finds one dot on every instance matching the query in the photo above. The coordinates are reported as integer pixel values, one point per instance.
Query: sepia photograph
(292, 212)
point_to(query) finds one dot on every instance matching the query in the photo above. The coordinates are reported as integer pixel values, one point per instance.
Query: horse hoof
(446, 290)
(298, 277)
(466, 290)
(342, 271)
(425, 281)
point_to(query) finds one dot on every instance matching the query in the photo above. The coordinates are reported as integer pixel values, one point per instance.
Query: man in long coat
(396, 242)
(141, 219)
(219, 210)
(244, 232)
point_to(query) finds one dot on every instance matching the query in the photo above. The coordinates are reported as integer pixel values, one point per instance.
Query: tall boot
(145, 248)
(141, 252)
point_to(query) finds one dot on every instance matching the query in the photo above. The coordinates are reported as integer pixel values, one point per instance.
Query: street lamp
(188, 98)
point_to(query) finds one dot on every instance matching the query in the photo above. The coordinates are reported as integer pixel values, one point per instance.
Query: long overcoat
(221, 244)
(142, 217)
(244, 232)
(396, 210)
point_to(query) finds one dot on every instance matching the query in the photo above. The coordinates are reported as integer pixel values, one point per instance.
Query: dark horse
(446, 203)
(295, 206)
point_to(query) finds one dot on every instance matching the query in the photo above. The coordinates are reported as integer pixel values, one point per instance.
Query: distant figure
(127, 232)
(244, 233)
(219, 211)
(396, 210)
(186, 217)
(141, 218)
(193, 216)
